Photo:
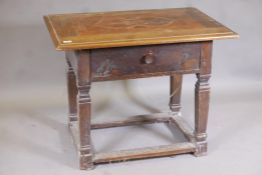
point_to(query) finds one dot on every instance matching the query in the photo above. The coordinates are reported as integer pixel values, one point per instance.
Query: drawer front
(144, 61)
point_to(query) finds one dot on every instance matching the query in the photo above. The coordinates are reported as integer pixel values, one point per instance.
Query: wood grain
(84, 109)
(119, 63)
(135, 44)
(72, 91)
(202, 94)
(134, 120)
(132, 28)
(158, 151)
(175, 92)
(170, 119)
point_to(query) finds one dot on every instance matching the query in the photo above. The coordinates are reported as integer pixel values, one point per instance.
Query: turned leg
(72, 93)
(175, 93)
(202, 91)
(201, 113)
(84, 109)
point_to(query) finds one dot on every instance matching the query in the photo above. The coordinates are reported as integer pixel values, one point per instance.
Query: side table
(135, 44)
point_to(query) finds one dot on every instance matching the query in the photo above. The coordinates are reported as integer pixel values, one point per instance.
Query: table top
(131, 28)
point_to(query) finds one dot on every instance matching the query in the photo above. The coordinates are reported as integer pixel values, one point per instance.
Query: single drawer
(144, 61)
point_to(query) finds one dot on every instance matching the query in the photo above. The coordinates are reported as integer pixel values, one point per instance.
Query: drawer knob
(148, 58)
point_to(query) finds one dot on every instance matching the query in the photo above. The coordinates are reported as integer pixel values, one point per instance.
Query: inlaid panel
(130, 28)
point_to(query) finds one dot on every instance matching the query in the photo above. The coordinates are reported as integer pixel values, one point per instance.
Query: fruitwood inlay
(132, 28)
(137, 44)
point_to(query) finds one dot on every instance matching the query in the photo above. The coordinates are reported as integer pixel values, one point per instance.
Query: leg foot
(85, 163)
(201, 149)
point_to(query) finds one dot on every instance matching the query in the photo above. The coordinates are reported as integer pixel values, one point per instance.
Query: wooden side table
(136, 44)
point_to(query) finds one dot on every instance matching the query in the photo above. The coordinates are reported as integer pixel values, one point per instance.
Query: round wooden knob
(148, 58)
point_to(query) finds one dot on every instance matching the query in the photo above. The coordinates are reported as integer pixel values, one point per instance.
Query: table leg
(175, 92)
(84, 109)
(202, 91)
(72, 93)
(201, 113)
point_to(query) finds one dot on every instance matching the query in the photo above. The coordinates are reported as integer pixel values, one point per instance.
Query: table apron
(141, 61)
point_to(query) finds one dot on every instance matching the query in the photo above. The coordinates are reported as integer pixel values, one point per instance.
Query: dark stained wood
(72, 92)
(150, 152)
(133, 28)
(84, 109)
(135, 120)
(123, 155)
(136, 44)
(202, 91)
(128, 62)
(175, 92)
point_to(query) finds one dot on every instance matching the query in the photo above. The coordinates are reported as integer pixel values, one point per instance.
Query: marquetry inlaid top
(130, 28)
